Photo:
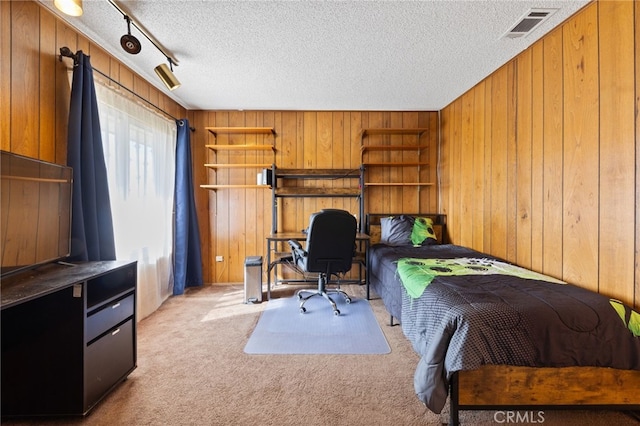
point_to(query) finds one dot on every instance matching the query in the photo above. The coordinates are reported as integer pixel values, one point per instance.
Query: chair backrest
(331, 241)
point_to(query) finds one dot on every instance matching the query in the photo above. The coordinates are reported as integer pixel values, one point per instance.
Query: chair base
(321, 291)
(325, 294)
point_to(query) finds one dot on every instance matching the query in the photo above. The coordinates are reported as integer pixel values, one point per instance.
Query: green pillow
(422, 232)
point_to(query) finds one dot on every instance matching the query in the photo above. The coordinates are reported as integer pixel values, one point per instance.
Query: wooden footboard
(508, 387)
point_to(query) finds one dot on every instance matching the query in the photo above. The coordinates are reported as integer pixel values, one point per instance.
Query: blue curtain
(187, 268)
(92, 225)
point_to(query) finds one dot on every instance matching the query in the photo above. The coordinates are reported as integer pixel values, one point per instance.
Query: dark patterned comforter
(462, 322)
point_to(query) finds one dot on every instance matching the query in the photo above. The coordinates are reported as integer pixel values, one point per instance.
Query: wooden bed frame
(505, 387)
(512, 388)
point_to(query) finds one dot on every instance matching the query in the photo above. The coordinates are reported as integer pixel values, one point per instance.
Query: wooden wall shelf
(397, 184)
(377, 163)
(248, 186)
(393, 131)
(238, 166)
(248, 130)
(239, 147)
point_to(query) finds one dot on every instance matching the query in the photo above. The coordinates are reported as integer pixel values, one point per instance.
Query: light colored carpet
(282, 329)
(192, 371)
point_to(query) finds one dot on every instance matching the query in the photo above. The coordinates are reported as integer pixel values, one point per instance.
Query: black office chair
(329, 250)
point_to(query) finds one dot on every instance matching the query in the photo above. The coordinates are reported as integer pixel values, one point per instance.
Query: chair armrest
(297, 250)
(295, 244)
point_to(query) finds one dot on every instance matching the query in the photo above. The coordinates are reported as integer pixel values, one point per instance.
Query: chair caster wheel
(347, 300)
(303, 310)
(336, 312)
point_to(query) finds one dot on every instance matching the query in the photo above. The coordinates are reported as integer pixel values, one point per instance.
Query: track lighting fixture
(166, 75)
(69, 7)
(129, 43)
(132, 45)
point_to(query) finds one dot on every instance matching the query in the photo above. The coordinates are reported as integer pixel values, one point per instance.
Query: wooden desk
(281, 237)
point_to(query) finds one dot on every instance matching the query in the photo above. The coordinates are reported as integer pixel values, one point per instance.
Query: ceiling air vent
(528, 22)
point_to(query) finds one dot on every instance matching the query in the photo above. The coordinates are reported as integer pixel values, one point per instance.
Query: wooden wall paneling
(545, 143)
(198, 159)
(410, 196)
(125, 76)
(423, 119)
(214, 200)
(375, 196)
(524, 159)
(637, 157)
(581, 155)
(141, 87)
(286, 158)
(155, 98)
(511, 194)
(301, 220)
(353, 126)
(404, 198)
(236, 234)
(309, 152)
(274, 120)
(444, 165)
(453, 224)
(208, 228)
(5, 75)
(617, 149)
(537, 155)
(423, 171)
(328, 153)
(553, 130)
(499, 165)
(352, 129)
(224, 209)
(386, 172)
(429, 199)
(488, 158)
(100, 61)
(25, 110)
(478, 183)
(65, 36)
(253, 211)
(47, 79)
(466, 169)
(83, 44)
(341, 145)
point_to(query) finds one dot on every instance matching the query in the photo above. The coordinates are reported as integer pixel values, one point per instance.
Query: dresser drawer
(108, 361)
(107, 317)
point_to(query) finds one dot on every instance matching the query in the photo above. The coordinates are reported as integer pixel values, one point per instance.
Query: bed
(491, 335)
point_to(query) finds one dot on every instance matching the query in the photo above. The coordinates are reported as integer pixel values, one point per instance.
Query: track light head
(128, 42)
(166, 75)
(69, 7)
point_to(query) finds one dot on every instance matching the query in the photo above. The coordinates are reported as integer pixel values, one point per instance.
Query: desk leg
(367, 267)
(268, 270)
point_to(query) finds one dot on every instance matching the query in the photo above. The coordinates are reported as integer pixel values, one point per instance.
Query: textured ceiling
(318, 55)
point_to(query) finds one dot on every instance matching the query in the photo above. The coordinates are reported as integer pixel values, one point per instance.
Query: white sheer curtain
(139, 148)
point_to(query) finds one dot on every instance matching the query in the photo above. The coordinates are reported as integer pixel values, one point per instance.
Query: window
(139, 148)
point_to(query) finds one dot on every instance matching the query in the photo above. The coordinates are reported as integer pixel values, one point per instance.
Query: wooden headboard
(372, 224)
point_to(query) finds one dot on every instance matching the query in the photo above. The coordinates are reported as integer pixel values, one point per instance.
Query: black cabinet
(68, 336)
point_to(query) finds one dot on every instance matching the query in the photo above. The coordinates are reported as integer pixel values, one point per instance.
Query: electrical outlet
(219, 259)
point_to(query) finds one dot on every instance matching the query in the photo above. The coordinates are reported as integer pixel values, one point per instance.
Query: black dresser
(68, 336)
